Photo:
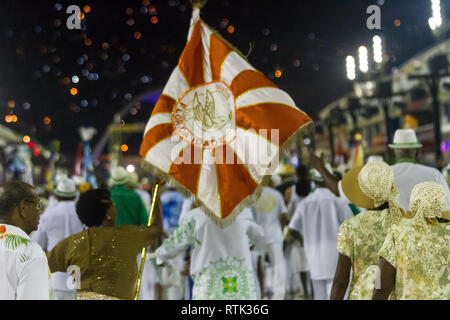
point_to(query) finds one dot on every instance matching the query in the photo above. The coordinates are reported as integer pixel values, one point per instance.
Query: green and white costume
(221, 264)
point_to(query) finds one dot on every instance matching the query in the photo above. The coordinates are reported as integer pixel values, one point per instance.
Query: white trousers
(322, 289)
(276, 257)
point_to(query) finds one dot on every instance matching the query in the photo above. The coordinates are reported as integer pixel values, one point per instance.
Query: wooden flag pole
(144, 250)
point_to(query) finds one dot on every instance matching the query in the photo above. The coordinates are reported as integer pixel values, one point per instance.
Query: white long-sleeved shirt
(317, 218)
(24, 273)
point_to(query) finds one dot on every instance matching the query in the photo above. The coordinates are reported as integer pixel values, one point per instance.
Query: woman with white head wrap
(414, 258)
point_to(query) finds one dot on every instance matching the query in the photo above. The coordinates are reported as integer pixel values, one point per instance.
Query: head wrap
(376, 180)
(427, 201)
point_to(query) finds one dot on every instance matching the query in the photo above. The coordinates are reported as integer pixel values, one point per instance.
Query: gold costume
(107, 258)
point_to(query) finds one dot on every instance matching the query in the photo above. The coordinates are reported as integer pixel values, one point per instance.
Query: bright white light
(363, 59)
(377, 49)
(75, 79)
(351, 67)
(307, 141)
(436, 19)
(130, 168)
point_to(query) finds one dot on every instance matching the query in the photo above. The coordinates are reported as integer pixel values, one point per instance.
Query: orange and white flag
(219, 127)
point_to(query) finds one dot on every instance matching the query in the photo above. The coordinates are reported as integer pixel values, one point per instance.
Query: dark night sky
(36, 54)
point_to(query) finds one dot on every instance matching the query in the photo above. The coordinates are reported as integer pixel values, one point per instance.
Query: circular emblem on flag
(205, 115)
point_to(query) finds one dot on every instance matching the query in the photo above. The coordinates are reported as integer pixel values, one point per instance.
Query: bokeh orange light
(87, 9)
(11, 103)
(74, 91)
(154, 20)
(278, 73)
(47, 120)
(26, 139)
(124, 148)
(137, 35)
(14, 118)
(230, 29)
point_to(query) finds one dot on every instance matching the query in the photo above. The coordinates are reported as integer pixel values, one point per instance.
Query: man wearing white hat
(407, 171)
(58, 223)
(316, 223)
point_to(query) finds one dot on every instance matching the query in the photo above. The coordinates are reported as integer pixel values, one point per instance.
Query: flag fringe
(247, 201)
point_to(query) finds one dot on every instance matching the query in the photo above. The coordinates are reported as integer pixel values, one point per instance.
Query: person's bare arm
(330, 181)
(341, 278)
(284, 220)
(296, 235)
(387, 280)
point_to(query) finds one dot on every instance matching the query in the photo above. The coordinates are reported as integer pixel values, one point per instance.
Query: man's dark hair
(13, 193)
(92, 205)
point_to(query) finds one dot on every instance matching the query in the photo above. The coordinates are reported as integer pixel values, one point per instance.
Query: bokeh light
(278, 73)
(47, 120)
(26, 139)
(154, 20)
(11, 103)
(230, 29)
(124, 148)
(74, 91)
(87, 9)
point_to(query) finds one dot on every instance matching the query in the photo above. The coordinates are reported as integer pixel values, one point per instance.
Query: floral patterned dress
(221, 265)
(422, 259)
(360, 238)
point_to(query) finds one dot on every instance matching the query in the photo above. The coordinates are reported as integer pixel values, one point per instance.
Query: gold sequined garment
(360, 238)
(87, 295)
(106, 256)
(422, 260)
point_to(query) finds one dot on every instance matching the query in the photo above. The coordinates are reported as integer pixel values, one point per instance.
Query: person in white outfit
(57, 223)
(24, 273)
(316, 223)
(267, 212)
(221, 263)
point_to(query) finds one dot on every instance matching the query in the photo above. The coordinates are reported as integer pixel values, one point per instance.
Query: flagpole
(144, 250)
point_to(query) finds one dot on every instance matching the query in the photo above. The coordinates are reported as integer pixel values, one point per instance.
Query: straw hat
(66, 188)
(352, 190)
(371, 186)
(119, 176)
(405, 139)
(286, 169)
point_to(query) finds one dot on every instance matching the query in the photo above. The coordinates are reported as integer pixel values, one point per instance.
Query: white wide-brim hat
(66, 188)
(405, 139)
(119, 176)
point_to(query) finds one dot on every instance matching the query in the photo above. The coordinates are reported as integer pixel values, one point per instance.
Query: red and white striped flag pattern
(219, 126)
